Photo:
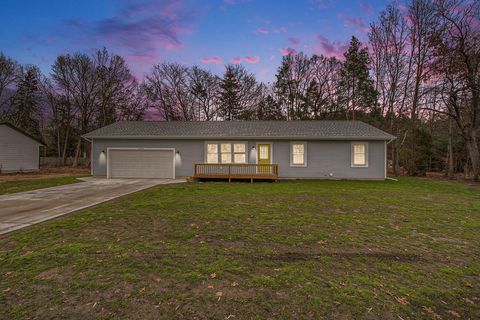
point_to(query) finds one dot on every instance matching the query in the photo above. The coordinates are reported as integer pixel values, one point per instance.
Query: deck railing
(236, 171)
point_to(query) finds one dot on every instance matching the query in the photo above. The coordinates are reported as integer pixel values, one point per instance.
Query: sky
(208, 33)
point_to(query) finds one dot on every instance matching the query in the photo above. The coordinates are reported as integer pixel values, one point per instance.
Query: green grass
(7, 187)
(292, 249)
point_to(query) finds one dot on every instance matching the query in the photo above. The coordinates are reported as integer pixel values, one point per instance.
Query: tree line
(417, 77)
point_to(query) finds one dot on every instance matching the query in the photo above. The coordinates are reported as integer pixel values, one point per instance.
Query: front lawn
(13, 186)
(286, 250)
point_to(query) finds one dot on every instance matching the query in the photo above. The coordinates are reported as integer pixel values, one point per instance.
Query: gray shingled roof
(322, 130)
(8, 124)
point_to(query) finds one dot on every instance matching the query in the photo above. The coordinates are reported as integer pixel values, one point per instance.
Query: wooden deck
(236, 171)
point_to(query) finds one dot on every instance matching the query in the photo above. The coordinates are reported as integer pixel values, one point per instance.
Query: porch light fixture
(178, 152)
(103, 151)
(253, 147)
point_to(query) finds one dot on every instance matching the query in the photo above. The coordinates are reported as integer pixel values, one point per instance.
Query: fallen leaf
(469, 285)
(427, 309)
(213, 275)
(8, 273)
(454, 313)
(402, 300)
(234, 284)
(8, 289)
(322, 241)
(468, 301)
(210, 286)
(142, 290)
(337, 303)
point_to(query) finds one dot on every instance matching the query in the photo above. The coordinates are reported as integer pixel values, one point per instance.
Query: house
(283, 149)
(19, 151)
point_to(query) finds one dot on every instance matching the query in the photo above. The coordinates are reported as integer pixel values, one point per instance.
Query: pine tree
(358, 93)
(230, 108)
(25, 102)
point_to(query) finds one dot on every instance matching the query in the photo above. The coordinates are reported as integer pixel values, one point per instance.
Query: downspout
(386, 144)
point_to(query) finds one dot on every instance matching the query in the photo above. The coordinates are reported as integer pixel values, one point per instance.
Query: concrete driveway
(23, 209)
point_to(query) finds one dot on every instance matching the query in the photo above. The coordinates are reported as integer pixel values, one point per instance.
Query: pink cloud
(366, 7)
(294, 41)
(264, 71)
(356, 23)
(171, 9)
(253, 60)
(141, 31)
(287, 51)
(322, 4)
(280, 30)
(331, 48)
(263, 31)
(236, 60)
(214, 60)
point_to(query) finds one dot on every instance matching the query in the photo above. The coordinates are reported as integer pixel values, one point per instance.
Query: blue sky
(208, 33)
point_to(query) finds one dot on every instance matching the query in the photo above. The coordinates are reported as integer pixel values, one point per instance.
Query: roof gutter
(357, 138)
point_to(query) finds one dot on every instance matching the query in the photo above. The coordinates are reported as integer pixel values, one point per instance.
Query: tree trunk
(395, 158)
(450, 151)
(77, 152)
(59, 147)
(65, 145)
(474, 153)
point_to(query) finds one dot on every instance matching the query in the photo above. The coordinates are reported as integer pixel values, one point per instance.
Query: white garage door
(140, 163)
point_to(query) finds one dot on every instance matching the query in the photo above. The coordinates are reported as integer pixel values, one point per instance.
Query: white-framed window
(226, 152)
(212, 153)
(298, 154)
(359, 154)
(239, 153)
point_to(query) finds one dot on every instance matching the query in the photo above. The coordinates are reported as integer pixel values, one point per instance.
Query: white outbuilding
(19, 151)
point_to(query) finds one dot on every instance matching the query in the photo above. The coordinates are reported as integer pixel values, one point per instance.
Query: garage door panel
(141, 163)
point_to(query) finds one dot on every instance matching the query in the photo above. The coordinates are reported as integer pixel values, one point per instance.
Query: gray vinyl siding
(331, 157)
(17, 151)
(323, 157)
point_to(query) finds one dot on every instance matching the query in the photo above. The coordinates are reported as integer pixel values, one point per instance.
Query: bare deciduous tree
(204, 87)
(10, 72)
(456, 60)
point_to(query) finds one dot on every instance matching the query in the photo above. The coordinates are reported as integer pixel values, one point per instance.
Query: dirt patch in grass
(46, 172)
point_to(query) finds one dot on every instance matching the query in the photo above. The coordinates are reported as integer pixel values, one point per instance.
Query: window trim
(244, 152)
(305, 154)
(205, 156)
(352, 155)
(219, 153)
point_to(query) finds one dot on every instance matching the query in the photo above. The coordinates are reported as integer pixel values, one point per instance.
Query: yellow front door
(264, 156)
